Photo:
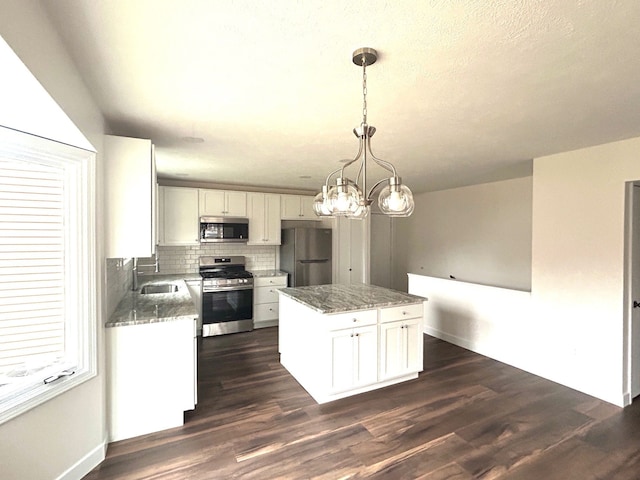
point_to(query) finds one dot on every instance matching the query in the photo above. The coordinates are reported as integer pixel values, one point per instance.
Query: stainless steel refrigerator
(305, 255)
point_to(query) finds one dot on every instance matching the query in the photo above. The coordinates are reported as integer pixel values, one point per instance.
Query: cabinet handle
(404, 313)
(271, 291)
(357, 334)
(355, 320)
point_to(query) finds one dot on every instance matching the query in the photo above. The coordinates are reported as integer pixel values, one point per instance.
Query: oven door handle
(226, 289)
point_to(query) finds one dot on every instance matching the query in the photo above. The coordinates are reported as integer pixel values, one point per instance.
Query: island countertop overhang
(337, 298)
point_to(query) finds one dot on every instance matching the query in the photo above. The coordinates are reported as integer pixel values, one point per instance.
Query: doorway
(632, 292)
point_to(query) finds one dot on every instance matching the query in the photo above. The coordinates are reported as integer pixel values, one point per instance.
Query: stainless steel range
(227, 296)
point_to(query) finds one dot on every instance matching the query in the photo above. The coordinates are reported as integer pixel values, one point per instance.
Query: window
(47, 270)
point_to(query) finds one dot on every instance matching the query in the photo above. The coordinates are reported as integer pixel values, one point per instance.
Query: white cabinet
(400, 340)
(151, 376)
(264, 218)
(265, 300)
(354, 358)
(178, 219)
(342, 354)
(130, 197)
(297, 207)
(223, 203)
(400, 348)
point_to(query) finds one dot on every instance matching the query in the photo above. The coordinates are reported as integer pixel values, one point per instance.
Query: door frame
(631, 339)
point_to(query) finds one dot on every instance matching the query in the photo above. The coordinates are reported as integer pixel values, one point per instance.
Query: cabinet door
(222, 203)
(212, 202)
(400, 348)
(342, 360)
(179, 216)
(272, 219)
(236, 204)
(264, 218)
(306, 208)
(130, 183)
(256, 204)
(290, 207)
(367, 355)
(353, 358)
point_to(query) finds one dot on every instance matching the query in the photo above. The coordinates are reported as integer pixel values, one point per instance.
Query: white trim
(82, 170)
(87, 463)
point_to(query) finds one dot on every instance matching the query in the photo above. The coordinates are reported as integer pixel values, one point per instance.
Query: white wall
(65, 436)
(572, 329)
(491, 321)
(479, 234)
(578, 265)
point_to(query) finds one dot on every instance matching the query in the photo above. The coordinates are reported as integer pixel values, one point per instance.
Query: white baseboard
(87, 463)
(461, 342)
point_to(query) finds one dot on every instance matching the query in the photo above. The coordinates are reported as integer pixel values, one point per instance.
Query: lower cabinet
(401, 349)
(265, 300)
(151, 376)
(353, 358)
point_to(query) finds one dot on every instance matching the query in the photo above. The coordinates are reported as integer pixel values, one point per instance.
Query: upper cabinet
(130, 197)
(223, 203)
(264, 218)
(297, 207)
(179, 222)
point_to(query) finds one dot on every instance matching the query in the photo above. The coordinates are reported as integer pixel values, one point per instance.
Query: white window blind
(32, 267)
(48, 289)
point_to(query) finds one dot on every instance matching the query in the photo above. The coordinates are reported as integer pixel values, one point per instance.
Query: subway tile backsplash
(119, 278)
(184, 259)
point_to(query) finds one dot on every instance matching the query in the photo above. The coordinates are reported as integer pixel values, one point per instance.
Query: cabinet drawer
(351, 319)
(265, 311)
(270, 281)
(265, 294)
(399, 313)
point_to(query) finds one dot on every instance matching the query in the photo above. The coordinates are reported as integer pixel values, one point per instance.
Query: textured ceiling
(463, 91)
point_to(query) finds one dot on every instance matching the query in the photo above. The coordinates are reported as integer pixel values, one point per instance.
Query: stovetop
(223, 267)
(225, 273)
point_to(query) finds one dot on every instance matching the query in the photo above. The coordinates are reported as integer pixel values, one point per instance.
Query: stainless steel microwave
(224, 230)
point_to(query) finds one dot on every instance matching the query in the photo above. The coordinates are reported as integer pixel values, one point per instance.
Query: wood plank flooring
(465, 417)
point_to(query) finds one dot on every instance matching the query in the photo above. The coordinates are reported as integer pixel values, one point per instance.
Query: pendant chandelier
(350, 198)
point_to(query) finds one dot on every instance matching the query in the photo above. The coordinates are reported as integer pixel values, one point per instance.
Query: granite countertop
(346, 298)
(268, 273)
(138, 309)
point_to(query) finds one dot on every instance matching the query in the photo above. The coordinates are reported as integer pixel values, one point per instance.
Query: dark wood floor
(465, 417)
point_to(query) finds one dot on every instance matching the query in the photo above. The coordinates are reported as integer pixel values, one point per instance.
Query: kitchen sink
(159, 288)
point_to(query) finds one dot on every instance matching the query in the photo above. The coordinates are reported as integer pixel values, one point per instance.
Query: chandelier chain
(364, 90)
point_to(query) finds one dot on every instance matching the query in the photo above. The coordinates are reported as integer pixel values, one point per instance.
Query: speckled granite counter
(268, 273)
(346, 298)
(137, 309)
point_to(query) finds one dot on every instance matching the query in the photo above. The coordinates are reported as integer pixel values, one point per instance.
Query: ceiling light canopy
(345, 197)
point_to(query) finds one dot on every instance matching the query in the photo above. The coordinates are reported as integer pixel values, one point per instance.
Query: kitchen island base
(335, 355)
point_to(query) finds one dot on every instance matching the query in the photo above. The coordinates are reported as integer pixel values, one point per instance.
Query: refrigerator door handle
(321, 260)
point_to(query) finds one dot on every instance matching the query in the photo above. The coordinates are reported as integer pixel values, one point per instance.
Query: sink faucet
(156, 265)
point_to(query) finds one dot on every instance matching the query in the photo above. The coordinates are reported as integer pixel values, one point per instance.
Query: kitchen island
(341, 340)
